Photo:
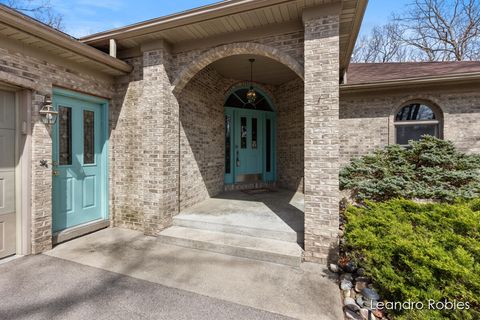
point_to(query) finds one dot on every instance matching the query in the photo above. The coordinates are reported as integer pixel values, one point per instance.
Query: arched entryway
(241, 161)
(250, 137)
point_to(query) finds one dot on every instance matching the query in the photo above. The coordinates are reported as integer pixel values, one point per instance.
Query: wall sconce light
(49, 115)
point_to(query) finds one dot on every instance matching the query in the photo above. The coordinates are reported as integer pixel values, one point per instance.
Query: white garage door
(7, 174)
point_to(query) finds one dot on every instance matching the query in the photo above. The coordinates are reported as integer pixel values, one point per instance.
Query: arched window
(415, 120)
(238, 99)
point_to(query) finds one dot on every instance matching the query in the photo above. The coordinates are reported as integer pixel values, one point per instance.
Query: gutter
(354, 32)
(37, 29)
(400, 83)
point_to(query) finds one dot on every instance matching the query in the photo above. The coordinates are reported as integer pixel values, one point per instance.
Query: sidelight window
(88, 137)
(65, 135)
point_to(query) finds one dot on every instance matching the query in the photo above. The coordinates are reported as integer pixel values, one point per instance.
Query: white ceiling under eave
(232, 17)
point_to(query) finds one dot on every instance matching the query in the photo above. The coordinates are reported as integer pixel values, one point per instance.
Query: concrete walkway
(43, 287)
(302, 293)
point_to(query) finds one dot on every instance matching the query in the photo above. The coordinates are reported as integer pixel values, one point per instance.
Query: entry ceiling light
(251, 94)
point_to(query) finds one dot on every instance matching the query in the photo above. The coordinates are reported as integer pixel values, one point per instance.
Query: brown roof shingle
(363, 73)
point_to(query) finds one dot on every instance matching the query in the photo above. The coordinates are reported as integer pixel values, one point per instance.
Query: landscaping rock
(378, 313)
(361, 283)
(371, 304)
(334, 268)
(347, 293)
(360, 301)
(346, 276)
(349, 314)
(350, 267)
(370, 294)
(351, 304)
(353, 294)
(367, 314)
(346, 285)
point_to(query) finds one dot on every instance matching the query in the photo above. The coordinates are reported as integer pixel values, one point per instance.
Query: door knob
(55, 173)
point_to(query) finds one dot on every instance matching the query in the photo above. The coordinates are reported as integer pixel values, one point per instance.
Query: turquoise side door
(248, 143)
(79, 162)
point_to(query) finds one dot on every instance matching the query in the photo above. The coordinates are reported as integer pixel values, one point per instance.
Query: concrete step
(269, 250)
(243, 225)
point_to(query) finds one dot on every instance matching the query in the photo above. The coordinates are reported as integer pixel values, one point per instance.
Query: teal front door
(248, 145)
(79, 162)
(250, 131)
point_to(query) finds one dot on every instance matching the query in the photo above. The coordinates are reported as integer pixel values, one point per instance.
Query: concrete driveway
(122, 274)
(43, 287)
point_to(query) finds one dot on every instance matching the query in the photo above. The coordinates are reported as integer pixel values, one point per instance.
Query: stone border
(230, 50)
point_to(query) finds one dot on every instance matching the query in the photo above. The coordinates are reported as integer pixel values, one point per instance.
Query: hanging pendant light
(251, 94)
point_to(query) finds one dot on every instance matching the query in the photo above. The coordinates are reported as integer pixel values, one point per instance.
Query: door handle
(55, 173)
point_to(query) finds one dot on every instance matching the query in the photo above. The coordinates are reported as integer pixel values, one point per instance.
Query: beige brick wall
(366, 120)
(321, 137)
(160, 142)
(202, 138)
(290, 134)
(126, 178)
(44, 74)
(290, 44)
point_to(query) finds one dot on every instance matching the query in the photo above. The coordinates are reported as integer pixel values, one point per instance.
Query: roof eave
(399, 83)
(31, 26)
(357, 24)
(179, 19)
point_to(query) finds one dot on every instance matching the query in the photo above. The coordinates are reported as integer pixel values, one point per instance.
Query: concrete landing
(305, 292)
(266, 226)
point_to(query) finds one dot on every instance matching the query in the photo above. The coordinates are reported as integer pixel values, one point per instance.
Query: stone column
(160, 141)
(321, 135)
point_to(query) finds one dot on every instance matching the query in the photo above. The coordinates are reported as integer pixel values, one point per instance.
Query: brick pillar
(41, 225)
(321, 136)
(160, 142)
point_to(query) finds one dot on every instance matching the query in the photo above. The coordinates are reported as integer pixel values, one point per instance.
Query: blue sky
(379, 12)
(83, 17)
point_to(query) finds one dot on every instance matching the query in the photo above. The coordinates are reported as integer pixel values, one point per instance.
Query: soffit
(33, 34)
(206, 22)
(230, 17)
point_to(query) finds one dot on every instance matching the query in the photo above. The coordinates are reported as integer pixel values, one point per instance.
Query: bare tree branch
(428, 30)
(442, 29)
(41, 10)
(382, 45)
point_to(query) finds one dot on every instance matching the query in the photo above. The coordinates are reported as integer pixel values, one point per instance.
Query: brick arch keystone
(205, 59)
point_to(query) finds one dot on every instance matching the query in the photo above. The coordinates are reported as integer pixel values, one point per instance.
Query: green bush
(427, 169)
(419, 252)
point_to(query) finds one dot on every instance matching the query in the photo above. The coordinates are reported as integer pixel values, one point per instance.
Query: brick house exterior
(166, 143)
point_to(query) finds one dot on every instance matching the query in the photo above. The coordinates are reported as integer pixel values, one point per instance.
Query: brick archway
(189, 71)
